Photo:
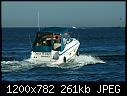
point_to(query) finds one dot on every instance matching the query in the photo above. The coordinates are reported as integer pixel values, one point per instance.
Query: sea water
(102, 56)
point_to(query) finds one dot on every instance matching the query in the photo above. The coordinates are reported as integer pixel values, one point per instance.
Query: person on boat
(44, 42)
(37, 44)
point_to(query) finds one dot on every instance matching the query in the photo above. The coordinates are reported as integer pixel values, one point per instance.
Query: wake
(82, 60)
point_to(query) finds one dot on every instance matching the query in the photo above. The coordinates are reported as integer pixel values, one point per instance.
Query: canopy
(38, 45)
(54, 29)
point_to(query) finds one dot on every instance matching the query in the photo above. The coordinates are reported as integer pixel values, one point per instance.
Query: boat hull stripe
(68, 49)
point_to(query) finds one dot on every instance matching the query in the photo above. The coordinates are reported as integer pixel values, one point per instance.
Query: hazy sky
(63, 13)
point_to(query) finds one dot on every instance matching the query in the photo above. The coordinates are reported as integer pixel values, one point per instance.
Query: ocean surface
(102, 56)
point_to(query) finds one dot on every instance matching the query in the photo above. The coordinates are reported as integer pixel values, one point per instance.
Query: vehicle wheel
(64, 59)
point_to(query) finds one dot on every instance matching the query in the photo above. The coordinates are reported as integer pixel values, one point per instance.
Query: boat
(54, 45)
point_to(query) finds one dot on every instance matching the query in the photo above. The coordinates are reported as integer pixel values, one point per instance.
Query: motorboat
(54, 45)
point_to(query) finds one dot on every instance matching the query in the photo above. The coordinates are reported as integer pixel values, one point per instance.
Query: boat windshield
(43, 39)
(67, 38)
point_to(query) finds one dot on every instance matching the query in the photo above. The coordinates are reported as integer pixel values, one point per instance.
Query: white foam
(82, 60)
(88, 59)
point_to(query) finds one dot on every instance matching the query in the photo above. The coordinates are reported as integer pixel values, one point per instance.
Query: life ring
(64, 59)
(56, 36)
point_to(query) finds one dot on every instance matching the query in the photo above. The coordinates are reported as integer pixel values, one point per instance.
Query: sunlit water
(102, 57)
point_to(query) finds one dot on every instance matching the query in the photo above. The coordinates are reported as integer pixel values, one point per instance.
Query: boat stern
(44, 56)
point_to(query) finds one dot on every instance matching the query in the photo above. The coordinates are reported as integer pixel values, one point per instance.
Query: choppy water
(102, 57)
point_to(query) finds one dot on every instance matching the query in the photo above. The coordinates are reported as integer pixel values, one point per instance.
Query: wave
(82, 60)
(88, 59)
(15, 51)
(113, 57)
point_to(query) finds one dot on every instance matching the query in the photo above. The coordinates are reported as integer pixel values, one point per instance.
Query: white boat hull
(65, 56)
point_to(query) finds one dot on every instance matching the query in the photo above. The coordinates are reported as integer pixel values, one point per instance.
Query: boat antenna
(38, 22)
(120, 22)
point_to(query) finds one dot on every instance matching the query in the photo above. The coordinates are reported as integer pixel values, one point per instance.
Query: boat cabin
(49, 40)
